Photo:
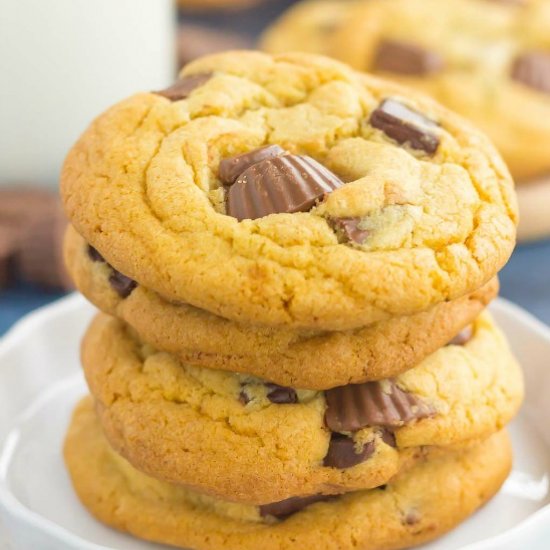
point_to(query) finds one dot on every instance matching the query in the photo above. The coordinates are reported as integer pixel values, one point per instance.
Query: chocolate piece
(463, 337)
(280, 394)
(231, 168)
(412, 517)
(121, 284)
(183, 87)
(35, 223)
(352, 407)
(342, 454)
(388, 438)
(94, 255)
(40, 255)
(349, 229)
(289, 506)
(243, 398)
(406, 58)
(405, 125)
(290, 183)
(533, 70)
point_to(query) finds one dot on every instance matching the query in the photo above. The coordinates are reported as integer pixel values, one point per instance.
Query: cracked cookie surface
(142, 187)
(301, 359)
(418, 506)
(238, 438)
(494, 70)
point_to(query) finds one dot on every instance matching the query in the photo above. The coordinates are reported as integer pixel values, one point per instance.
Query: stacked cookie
(494, 69)
(293, 261)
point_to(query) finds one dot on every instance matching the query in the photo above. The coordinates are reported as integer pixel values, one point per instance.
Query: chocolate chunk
(533, 70)
(290, 183)
(463, 337)
(280, 394)
(349, 229)
(94, 255)
(405, 125)
(230, 169)
(388, 438)
(183, 87)
(412, 517)
(286, 508)
(243, 398)
(121, 284)
(352, 407)
(406, 58)
(342, 454)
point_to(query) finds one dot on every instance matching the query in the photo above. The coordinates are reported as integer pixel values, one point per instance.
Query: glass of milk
(62, 62)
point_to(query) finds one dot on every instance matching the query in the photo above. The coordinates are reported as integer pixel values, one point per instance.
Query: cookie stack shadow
(273, 416)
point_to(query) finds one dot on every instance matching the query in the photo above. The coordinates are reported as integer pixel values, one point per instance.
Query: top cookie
(488, 60)
(372, 201)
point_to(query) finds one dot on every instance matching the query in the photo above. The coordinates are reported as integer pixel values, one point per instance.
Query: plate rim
(15, 511)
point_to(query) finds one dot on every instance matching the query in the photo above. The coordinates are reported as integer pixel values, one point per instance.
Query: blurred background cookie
(494, 70)
(194, 41)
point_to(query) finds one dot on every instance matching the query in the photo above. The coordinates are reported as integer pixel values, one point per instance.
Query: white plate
(40, 382)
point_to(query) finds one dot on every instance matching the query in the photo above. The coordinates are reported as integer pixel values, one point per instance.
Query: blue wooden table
(525, 280)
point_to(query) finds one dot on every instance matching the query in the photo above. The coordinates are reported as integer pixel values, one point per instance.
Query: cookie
(243, 439)
(307, 27)
(533, 200)
(291, 190)
(495, 69)
(428, 501)
(302, 359)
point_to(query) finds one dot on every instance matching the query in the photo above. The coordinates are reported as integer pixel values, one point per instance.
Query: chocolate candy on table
(406, 58)
(342, 452)
(33, 218)
(280, 183)
(182, 88)
(40, 256)
(405, 125)
(533, 70)
(384, 404)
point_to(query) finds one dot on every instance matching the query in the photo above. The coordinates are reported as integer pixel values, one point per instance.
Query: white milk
(62, 62)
